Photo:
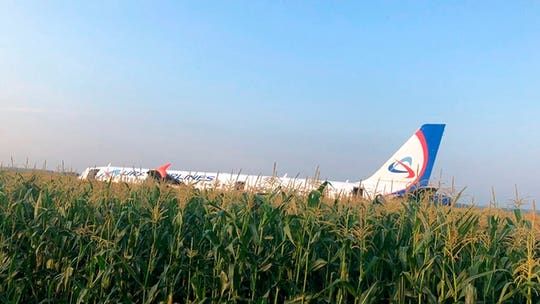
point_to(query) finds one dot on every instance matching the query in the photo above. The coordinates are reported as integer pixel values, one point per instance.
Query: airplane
(407, 171)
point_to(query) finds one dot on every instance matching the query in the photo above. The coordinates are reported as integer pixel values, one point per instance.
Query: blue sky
(243, 84)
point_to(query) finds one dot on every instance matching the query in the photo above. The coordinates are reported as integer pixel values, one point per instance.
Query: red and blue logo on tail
(429, 136)
(410, 166)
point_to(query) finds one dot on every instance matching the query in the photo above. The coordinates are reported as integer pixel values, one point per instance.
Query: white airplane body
(407, 170)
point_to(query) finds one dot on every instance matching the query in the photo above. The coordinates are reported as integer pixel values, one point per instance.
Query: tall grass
(63, 240)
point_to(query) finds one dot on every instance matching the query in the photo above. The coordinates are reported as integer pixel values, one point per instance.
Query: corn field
(68, 241)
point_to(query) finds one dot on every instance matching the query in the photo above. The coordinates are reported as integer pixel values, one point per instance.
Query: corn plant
(65, 240)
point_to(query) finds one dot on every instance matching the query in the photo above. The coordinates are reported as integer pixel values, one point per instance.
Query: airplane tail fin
(410, 167)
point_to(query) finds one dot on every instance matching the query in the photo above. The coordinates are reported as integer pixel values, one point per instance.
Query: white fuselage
(218, 180)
